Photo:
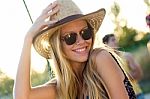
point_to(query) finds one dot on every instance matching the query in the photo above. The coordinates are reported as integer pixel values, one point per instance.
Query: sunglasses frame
(88, 28)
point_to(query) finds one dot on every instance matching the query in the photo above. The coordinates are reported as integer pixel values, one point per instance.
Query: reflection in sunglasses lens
(71, 38)
(87, 34)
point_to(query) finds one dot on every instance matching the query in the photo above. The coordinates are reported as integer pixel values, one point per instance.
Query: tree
(41, 78)
(6, 85)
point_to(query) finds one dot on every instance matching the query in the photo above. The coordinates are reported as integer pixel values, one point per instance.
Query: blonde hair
(93, 79)
(67, 81)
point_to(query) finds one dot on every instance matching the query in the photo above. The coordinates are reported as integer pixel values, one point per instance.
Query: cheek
(65, 48)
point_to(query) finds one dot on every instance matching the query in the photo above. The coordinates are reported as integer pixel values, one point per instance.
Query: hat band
(68, 19)
(64, 20)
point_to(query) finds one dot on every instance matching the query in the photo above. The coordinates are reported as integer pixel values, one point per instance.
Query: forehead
(74, 26)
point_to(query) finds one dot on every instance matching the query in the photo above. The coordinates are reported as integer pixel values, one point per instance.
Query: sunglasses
(71, 38)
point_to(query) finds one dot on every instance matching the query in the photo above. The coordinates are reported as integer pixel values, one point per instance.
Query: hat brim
(41, 40)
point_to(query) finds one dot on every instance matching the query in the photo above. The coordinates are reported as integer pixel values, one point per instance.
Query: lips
(82, 50)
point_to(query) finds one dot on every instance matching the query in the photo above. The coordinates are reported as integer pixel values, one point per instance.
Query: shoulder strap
(118, 63)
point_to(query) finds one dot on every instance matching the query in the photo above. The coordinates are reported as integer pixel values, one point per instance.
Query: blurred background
(125, 18)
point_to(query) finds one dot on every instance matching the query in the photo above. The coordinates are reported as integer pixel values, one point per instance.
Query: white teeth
(81, 50)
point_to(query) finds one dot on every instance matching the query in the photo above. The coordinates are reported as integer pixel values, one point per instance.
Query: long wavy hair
(66, 78)
(67, 81)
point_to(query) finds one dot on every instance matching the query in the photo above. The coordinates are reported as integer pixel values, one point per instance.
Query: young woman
(81, 71)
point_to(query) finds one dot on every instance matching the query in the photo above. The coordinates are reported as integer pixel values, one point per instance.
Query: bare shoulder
(101, 55)
(106, 63)
(104, 57)
(110, 72)
(45, 91)
(97, 52)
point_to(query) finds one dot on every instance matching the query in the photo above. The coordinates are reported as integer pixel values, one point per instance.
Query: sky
(15, 22)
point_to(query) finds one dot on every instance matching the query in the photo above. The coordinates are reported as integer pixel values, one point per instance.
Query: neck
(78, 69)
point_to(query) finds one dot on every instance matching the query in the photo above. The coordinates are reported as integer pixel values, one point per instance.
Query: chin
(82, 59)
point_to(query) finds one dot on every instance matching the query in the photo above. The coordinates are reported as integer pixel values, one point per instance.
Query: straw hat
(68, 12)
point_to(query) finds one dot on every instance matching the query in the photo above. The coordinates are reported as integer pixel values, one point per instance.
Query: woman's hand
(43, 21)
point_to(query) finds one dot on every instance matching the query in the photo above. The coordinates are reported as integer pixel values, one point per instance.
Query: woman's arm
(22, 86)
(112, 75)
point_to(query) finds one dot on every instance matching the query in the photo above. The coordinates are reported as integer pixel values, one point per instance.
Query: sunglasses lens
(87, 34)
(70, 38)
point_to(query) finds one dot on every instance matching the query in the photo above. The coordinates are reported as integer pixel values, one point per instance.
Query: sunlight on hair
(45, 43)
(38, 63)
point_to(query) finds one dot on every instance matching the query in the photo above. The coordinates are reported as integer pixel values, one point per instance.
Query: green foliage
(51, 72)
(6, 85)
(127, 41)
(39, 78)
(115, 9)
(145, 39)
(145, 86)
(127, 37)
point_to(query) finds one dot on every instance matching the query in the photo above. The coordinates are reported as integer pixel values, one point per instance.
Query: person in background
(148, 20)
(132, 67)
(62, 33)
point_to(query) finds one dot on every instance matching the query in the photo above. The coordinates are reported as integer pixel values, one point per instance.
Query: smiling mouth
(81, 50)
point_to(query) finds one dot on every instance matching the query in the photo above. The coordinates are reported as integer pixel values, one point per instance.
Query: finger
(55, 10)
(43, 25)
(45, 18)
(50, 23)
(50, 7)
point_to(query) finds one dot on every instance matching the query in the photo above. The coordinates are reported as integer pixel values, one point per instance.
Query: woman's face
(76, 51)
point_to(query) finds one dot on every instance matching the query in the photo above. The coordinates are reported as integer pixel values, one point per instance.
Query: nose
(80, 40)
